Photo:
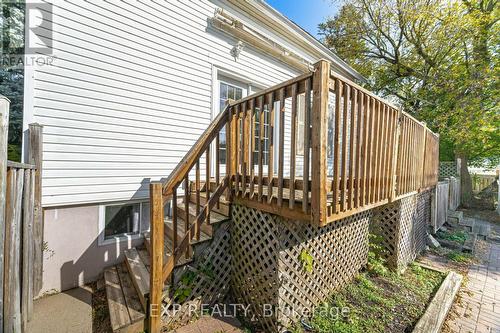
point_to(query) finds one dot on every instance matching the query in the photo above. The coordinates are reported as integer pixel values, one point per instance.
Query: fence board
(36, 158)
(440, 205)
(4, 127)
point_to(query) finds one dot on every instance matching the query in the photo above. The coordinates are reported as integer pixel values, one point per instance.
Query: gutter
(299, 36)
(230, 25)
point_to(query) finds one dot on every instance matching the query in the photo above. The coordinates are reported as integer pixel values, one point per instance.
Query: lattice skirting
(448, 169)
(403, 226)
(269, 263)
(205, 281)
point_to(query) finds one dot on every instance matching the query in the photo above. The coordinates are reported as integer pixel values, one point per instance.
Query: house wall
(72, 255)
(129, 92)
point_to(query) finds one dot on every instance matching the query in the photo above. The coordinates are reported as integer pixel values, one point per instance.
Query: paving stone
(480, 308)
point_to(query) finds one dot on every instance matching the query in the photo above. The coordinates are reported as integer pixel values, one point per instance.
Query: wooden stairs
(127, 284)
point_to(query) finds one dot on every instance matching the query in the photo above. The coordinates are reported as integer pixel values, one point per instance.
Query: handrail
(194, 154)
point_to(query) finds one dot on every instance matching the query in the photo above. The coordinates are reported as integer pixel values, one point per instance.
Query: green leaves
(306, 260)
(437, 59)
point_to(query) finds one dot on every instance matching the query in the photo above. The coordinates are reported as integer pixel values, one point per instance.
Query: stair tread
(123, 302)
(138, 273)
(223, 208)
(167, 251)
(223, 199)
(215, 217)
(181, 230)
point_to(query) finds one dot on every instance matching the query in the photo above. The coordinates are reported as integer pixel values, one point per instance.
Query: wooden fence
(21, 229)
(481, 182)
(454, 197)
(439, 207)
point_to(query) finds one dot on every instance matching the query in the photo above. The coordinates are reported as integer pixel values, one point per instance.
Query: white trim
(101, 241)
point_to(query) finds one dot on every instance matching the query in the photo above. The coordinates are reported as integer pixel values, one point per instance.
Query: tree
(438, 59)
(12, 74)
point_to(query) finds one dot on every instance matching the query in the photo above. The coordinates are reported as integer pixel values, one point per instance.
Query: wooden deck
(377, 153)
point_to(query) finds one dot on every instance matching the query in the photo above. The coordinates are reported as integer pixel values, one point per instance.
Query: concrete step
(454, 216)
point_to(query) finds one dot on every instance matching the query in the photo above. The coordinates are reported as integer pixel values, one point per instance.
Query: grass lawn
(380, 301)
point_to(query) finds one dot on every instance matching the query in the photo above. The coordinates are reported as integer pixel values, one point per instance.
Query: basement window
(122, 221)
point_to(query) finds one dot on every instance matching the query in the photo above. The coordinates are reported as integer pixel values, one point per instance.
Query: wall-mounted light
(236, 50)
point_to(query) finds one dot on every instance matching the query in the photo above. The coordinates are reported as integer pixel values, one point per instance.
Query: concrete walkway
(67, 312)
(208, 324)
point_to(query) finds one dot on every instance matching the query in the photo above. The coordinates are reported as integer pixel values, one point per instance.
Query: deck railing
(357, 151)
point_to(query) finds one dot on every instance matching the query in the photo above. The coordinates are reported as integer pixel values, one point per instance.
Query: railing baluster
(382, 130)
(404, 166)
(400, 155)
(343, 180)
(237, 143)
(371, 143)
(359, 146)
(364, 110)
(174, 221)
(207, 184)
(394, 154)
(252, 148)
(414, 158)
(307, 144)
(244, 149)
(217, 167)
(336, 145)
(230, 149)
(186, 213)
(352, 142)
(281, 146)
(261, 146)
(197, 187)
(390, 134)
(293, 146)
(270, 166)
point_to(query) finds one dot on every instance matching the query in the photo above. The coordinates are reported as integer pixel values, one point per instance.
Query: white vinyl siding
(129, 92)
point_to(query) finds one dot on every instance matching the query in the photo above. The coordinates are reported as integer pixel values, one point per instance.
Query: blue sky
(306, 13)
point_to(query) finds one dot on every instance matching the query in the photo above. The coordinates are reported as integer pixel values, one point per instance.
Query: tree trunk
(465, 182)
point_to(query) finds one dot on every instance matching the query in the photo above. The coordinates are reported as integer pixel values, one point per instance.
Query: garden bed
(379, 301)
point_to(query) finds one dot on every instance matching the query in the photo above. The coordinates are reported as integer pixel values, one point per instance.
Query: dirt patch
(100, 312)
(380, 303)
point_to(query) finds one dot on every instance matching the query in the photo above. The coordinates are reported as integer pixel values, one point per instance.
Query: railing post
(36, 158)
(319, 134)
(4, 129)
(156, 270)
